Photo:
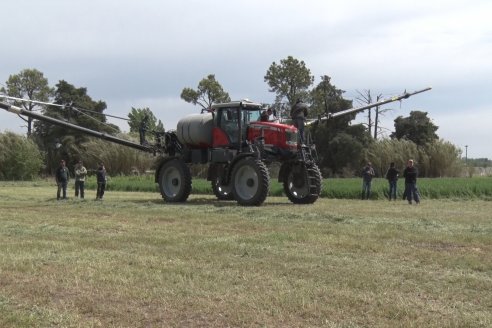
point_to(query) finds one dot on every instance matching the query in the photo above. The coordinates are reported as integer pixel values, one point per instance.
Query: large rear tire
(175, 181)
(250, 182)
(302, 185)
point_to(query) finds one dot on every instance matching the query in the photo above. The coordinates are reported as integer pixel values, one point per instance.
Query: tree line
(342, 147)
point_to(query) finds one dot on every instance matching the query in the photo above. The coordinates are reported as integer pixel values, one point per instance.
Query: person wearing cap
(80, 174)
(367, 175)
(62, 175)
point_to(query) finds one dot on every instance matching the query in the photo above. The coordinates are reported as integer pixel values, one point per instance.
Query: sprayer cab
(238, 125)
(243, 122)
(232, 121)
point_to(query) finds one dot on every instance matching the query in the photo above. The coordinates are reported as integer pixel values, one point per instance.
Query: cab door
(226, 131)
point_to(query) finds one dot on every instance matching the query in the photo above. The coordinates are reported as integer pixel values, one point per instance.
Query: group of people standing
(62, 176)
(299, 113)
(410, 173)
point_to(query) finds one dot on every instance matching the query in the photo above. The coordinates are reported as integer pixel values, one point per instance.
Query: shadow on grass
(192, 201)
(203, 201)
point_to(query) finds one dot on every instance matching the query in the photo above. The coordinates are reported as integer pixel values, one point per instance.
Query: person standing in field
(410, 174)
(80, 174)
(101, 181)
(367, 175)
(392, 177)
(62, 175)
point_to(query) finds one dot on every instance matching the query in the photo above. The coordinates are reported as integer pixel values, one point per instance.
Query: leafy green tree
(438, 158)
(79, 109)
(290, 79)
(442, 160)
(417, 127)
(209, 91)
(20, 158)
(327, 98)
(341, 146)
(341, 153)
(138, 115)
(28, 84)
(385, 151)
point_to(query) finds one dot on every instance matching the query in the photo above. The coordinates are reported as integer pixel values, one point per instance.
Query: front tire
(175, 181)
(250, 182)
(302, 184)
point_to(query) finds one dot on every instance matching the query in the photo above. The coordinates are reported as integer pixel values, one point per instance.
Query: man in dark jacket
(298, 114)
(62, 177)
(410, 173)
(101, 181)
(392, 177)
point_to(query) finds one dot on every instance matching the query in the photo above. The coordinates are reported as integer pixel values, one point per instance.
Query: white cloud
(471, 128)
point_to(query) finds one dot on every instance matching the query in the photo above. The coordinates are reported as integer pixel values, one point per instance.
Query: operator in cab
(268, 116)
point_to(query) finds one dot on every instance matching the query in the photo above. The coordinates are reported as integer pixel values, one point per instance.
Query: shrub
(118, 159)
(20, 158)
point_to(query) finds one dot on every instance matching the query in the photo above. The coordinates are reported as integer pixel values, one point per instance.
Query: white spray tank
(195, 130)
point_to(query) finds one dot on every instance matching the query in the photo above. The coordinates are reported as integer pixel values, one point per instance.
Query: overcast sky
(143, 53)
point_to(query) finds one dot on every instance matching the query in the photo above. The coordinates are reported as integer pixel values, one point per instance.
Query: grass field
(431, 188)
(133, 261)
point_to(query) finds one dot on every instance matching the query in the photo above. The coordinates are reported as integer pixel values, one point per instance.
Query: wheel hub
(246, 182)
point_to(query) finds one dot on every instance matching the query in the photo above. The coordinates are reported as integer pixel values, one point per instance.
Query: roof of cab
(242, 103)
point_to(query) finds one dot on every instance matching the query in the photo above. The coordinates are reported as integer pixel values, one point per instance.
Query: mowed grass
(341, 188)
(133, 261)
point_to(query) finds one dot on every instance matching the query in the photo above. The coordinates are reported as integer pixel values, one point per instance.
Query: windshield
(251, 115)
(227, 120)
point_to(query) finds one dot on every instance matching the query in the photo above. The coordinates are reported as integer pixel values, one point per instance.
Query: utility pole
(466, 155)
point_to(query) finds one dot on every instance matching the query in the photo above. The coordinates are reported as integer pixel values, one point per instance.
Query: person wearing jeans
(392, 177)
(80, 174)
(367, 175)
(101, 181)
(62, 177)
(410, 173)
